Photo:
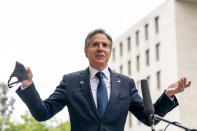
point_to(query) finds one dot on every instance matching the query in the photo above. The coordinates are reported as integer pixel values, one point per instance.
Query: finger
(181, 89)
(30, 74)
(184, 81)
(180, 86)
(180, 83)
(188, 84)
(28, 69)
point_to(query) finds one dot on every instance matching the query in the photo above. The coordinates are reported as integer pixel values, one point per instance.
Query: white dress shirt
(94, 81)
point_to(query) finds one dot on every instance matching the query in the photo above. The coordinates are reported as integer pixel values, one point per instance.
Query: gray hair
(87, 40)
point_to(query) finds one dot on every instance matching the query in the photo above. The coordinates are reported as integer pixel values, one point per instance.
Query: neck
(99, 68)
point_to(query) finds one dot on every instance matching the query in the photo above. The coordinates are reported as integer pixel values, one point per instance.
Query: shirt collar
(93, 72)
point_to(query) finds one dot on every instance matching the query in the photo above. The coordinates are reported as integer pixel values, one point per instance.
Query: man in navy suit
(97, 98)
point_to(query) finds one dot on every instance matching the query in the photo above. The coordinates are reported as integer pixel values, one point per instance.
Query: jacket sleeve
(43, 110)
(162, 106)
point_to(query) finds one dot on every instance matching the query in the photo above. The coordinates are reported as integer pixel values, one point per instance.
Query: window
(148, 80)
(147, 58)
(158, 75)
(137, 38)
(129, 43)
(146, 31)
(114, 54)
(157, 24)
(121, 49)
(129, 67)
(121, 69)
(157, 47)
(138, 62)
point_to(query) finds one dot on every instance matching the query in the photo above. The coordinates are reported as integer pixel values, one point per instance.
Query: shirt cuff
(172, 98)
(24, 87)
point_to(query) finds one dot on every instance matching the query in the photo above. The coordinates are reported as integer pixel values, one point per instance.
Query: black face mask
(20, 73)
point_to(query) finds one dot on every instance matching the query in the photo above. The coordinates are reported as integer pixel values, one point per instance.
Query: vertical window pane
(157, 24)
(121, 49)
(138, 63)
(158, 79)
(147, 58)
(114, 54)
(137, 38)
(121, 69)
(148, 80)
(129, 67)
(129, 43)
(146, 31)
(157, 51)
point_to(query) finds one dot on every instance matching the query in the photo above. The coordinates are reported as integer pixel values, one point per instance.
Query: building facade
(162, 48)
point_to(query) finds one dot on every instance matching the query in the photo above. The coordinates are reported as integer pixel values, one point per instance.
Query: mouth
(100, 56)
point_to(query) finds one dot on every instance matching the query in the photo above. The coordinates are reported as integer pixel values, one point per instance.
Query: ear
(86, 52)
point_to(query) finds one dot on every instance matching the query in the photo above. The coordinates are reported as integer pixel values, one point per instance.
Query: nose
(100, 47)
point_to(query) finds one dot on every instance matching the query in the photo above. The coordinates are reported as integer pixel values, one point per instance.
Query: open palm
(177, 87)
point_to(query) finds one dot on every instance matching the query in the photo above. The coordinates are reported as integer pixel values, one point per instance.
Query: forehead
(99, 37)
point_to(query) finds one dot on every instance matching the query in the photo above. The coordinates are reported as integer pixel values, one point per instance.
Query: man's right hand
(27, 83)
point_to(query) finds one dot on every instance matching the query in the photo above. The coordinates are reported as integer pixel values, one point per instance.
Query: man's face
(98, 51)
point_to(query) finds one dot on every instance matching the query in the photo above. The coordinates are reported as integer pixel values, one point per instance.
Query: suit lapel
(84, 80)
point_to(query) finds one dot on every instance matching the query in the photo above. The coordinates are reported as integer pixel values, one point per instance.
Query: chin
(100, 62)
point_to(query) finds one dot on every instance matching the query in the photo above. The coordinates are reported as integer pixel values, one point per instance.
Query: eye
(95, 44)
(105, 44)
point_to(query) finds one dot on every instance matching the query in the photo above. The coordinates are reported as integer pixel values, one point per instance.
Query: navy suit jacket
(74, 92)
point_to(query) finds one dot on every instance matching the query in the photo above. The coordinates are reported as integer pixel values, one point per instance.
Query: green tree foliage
(30, 124)
(63, 127)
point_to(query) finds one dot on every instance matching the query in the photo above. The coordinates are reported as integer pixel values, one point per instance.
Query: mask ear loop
(10, 85)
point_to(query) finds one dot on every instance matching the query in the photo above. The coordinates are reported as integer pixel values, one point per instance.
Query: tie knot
(99, 75)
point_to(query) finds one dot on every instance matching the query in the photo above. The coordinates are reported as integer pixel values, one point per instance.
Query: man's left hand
(177, 87)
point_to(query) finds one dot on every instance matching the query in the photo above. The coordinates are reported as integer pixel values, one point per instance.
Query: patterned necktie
(102, 98)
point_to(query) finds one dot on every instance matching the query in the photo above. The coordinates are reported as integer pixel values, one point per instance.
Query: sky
(48, 36)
